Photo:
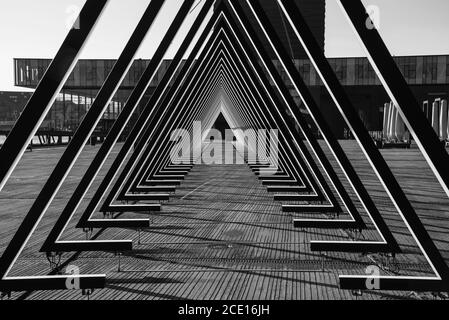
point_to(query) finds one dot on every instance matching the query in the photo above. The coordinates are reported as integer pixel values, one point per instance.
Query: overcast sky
(36, 28)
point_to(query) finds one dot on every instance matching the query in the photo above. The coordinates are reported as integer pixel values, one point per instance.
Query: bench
(310, 209)
(161, 183)
(274, 173)
(162, 176)
(54, 282)
(173, 172)
(95, 245)
(181, 165)
(286, 189)
(396, 283)
(145, 197)
(162, 189)
(298, 197)
(275, 178)
(282, 183)
(132, 208)
(323, 224)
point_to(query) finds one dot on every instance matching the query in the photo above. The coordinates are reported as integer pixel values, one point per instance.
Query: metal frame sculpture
(222, 70)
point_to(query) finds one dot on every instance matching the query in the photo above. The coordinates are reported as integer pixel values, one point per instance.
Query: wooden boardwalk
(222, 236)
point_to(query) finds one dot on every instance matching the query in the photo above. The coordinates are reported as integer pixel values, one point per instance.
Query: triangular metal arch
(398, 90)
(48, 88)
(52, 243)
(146, 165)
(432, 151)
(32, 219)
(389, 243)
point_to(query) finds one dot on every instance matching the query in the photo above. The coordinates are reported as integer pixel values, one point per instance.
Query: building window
(138, 68)
(91, 72)
(99, 77)
(341, 70)
(41, 68)
(408, 68)
(412, 63)
(22, 73)
(34, 67)
(71, 79)
(410, 71)
(370, 72)
(359, 71)
(364, 72)
(108, 65)
(430, 69)
(304, 71)
(83, 73)
(447, 70)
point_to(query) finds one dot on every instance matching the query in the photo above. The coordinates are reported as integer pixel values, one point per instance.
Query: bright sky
(35, 29)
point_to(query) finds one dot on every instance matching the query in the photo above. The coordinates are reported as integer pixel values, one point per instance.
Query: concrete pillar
(386, 120)
(399, 126)
(425, 109)
(447, 132)
(436, 117)
(443, 120)
(391, 129)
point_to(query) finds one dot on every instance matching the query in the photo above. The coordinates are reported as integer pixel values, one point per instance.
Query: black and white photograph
(224, 156)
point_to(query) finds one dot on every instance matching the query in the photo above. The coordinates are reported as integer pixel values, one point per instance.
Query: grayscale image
(242, 151)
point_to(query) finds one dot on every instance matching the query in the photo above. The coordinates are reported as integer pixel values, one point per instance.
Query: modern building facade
(11, 104)
(428, 77)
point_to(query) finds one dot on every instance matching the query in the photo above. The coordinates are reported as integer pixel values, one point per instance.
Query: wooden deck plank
(232, 223)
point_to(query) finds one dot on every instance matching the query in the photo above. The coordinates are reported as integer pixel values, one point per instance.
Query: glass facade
(408, 67)
(89, 75)
(447, 69)
(70, 108)
(11, 104)
(364, 72)
(304, 70)
(78, 93)
(430, 70)
(340, 66)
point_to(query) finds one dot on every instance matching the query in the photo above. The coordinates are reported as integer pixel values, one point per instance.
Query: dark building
(314, 12)
(11, 105)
